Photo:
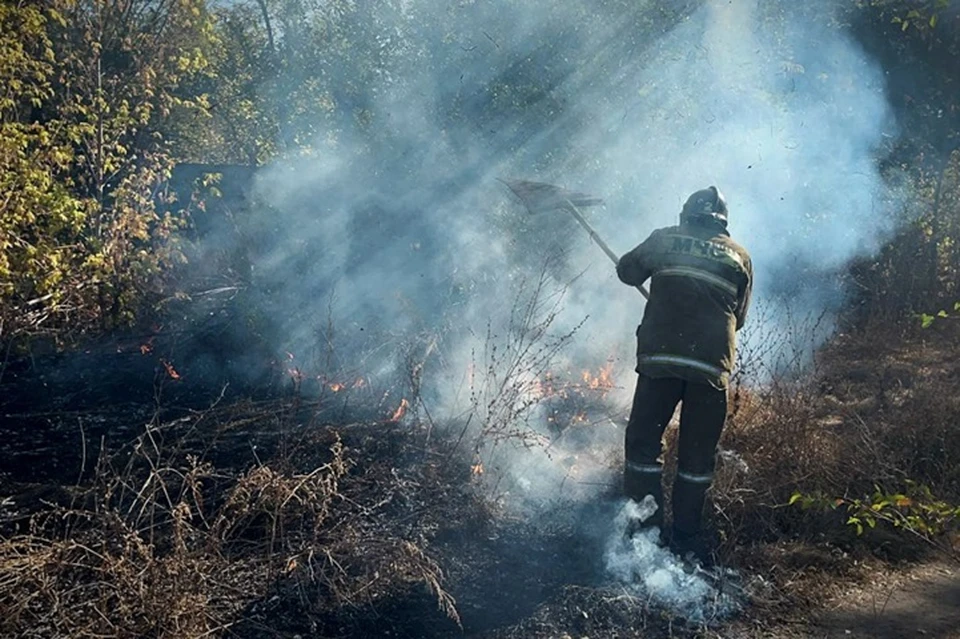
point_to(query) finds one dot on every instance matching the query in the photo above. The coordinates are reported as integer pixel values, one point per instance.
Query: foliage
(102, 97)
(915, 509)
(927, 320)
(92, 87)
(922, 16)
(919, 43)
(510, 378)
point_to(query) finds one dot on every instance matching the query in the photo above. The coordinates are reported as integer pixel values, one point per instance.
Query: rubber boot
(688, 540)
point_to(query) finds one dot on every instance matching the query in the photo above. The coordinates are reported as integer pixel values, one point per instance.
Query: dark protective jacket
(699, 295)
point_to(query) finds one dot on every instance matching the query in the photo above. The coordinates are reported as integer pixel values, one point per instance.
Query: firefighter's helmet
(705, 203)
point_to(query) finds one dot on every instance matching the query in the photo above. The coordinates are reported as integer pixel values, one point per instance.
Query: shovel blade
(540, 196)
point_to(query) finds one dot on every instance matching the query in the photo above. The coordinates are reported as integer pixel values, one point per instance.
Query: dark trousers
(702, 415)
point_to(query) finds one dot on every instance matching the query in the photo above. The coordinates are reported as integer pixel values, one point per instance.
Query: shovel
(538, 197)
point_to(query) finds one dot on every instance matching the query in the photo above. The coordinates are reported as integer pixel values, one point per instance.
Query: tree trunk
(266, 22)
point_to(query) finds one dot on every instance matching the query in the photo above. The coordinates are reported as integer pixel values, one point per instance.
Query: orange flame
(548, 387)
(602, 381)
(476, 468)
(171, 371)
(336, 387)
(401, 410)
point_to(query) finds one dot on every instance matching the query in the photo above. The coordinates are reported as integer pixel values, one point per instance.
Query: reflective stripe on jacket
(701, 281)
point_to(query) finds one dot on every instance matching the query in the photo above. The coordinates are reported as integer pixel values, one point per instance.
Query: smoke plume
(397, 227)
(653, 572)
(400, 226)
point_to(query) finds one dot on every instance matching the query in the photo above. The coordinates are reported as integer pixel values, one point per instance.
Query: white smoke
(774, 103)
(779, 108)
(649, 570)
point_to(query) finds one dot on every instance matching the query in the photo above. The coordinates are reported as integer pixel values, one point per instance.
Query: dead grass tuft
(164, 543)
(877, 411)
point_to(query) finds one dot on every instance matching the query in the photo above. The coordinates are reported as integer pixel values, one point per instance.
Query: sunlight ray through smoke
(396, 225)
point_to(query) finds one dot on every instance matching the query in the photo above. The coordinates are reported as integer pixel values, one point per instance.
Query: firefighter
(700, 289)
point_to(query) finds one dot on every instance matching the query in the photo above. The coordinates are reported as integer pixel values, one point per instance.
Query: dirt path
(920, 602)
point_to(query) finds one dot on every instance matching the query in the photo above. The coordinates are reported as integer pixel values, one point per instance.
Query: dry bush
(165, 544)
(510, 377)
(899, 389)
(873, 411)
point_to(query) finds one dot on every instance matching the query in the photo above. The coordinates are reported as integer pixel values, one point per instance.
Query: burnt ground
(499, 568)
(499, 579)
(532, 575)
(540, 576)
(528, 583)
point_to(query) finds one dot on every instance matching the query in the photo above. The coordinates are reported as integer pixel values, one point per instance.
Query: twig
(83, 449)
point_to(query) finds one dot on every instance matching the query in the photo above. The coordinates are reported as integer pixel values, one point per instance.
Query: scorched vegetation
(279, 356)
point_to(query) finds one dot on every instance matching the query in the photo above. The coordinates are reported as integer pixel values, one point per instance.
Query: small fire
(401, 410)
(549, 387)
(565, 387)
(337, 387)
(602, 381)
(171, 371)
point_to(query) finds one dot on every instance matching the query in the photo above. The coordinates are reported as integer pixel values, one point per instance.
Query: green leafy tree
(93, 98)
(41, 219)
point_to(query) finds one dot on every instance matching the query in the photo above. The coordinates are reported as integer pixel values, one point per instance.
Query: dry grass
(162, 543)
(878, 410)
(205, 521)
